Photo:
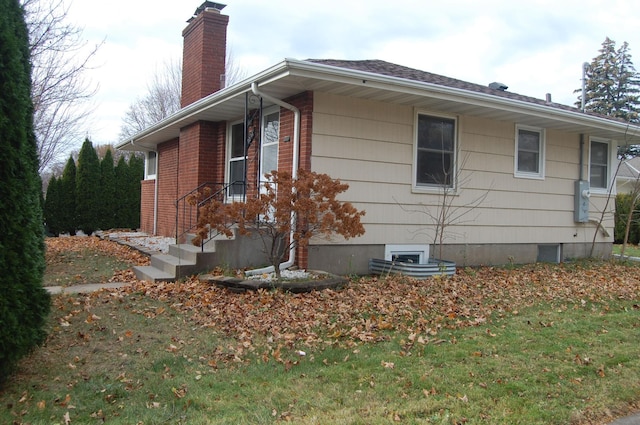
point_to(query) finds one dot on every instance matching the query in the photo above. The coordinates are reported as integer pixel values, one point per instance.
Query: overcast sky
(534, 47)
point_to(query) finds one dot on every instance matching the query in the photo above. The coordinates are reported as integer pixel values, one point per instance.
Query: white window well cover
(392, 252)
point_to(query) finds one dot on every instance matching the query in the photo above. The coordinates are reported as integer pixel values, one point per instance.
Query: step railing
(189, 205)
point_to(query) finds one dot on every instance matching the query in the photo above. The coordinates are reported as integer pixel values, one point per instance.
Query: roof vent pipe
(548, 97)
(498, 86)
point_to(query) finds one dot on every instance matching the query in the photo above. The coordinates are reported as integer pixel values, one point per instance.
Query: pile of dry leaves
(369, 307)
(57, 246)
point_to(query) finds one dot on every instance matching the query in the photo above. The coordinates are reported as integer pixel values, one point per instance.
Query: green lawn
(537, 345)
(630, 250)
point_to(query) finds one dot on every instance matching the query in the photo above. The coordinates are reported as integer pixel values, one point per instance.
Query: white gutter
(294, 174)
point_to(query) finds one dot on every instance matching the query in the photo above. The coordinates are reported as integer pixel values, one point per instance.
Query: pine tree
(88, 189)
(67, 212)
(612, 83)
(52, 206)
(107, 189)
(24, 303)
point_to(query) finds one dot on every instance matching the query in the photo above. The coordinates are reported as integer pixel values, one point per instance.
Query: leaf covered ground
(368, 308)
(79, 259)
(479, 347)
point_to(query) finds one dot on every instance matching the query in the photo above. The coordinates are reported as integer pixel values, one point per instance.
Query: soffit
(292, 77)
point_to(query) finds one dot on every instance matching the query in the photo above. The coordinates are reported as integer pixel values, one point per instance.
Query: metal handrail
(187, 210)
(188, 223)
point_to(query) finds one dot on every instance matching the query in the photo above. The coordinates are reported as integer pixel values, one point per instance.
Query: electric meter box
(581, 196)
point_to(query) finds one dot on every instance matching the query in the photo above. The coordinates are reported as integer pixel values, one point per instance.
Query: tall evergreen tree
(135, 176)
(52, 206)
(107, 189)
(24, 303)
(88, 189)
(612, 83)
(67, 209)
(121, 173)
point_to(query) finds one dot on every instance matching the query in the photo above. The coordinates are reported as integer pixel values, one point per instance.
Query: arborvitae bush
(67, 213)
(135, 173)
(24, 303)
(88, 193)
(108, 190)
(52, 205)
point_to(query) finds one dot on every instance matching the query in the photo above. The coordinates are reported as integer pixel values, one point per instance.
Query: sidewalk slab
(629, 420)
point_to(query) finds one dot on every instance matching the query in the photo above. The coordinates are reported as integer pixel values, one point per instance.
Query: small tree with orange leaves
(287, 213)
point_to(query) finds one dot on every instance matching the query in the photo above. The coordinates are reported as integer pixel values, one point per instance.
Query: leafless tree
(446, 212)
(60, 94)
(162, 98)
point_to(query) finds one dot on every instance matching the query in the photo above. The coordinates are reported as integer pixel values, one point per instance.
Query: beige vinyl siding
(370, 146)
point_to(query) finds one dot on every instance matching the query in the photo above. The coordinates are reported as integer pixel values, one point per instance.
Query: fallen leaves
(370, 307)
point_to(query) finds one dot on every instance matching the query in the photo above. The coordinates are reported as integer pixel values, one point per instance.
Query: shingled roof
(393, 70)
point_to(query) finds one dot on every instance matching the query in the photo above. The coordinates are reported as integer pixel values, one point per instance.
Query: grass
(630, 250)
(90, 265)
(128, 358)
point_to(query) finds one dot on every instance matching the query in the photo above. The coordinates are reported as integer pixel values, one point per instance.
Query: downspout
(155, 198)
(581, 161)
(294, 173)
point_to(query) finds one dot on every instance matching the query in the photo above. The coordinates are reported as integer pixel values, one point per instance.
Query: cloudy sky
(534, 47)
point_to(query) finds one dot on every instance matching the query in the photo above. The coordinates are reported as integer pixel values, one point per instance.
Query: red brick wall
(148, 189)
(200, 160)
(304, 102)
(167, 180)
(205, 41)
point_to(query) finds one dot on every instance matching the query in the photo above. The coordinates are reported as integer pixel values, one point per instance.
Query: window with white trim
(599, 160)
(529, 156)
(416, 254)
(435, 151)
(237, 160)
(151, 165)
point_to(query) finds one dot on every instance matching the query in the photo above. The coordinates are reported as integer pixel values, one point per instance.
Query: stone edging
(235, 284)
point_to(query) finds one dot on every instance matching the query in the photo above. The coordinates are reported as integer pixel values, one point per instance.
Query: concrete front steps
(181, 260)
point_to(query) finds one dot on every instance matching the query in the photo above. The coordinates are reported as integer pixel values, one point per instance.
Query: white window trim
(266, 112)
(612, 154)
(147, 175)
(541, 155)
(414, 169)
(421, 250)
(227, 172)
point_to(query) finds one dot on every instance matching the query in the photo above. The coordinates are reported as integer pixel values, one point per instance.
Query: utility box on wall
(581, 206)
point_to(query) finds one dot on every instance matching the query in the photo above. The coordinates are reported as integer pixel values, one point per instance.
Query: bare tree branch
(162, 98)
(61, 96)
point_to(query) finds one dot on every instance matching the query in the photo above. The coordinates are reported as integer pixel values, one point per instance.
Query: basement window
(550, 253)
(416, 254)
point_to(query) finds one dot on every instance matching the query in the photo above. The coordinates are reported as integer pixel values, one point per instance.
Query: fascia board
(342, 75)
(183, 115)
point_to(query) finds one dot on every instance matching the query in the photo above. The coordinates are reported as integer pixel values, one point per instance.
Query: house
(628, 175)
(526, 179)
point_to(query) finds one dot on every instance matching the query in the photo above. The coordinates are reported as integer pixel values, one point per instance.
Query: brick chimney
(204, 53)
